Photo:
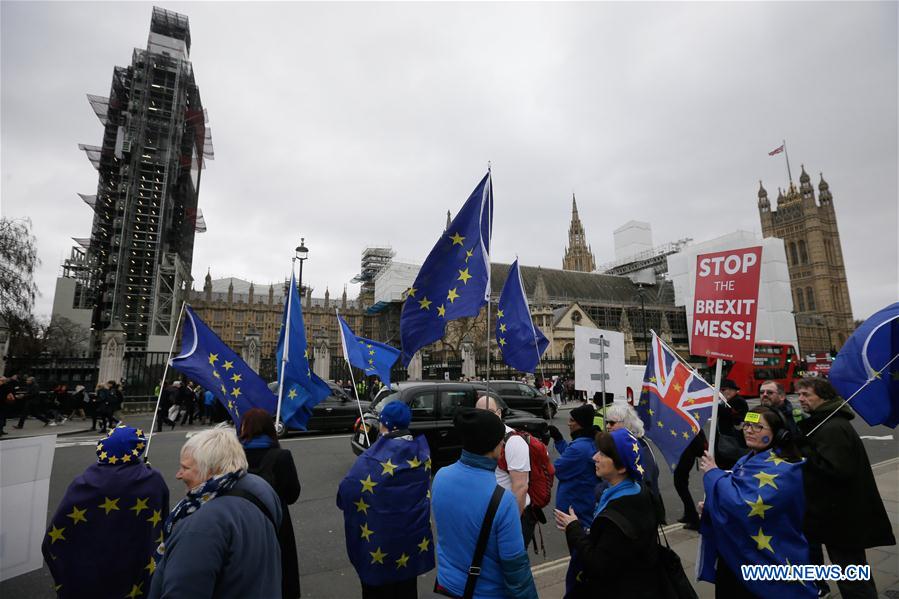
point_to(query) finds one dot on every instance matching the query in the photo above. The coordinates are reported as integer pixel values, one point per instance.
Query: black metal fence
(50, 371)
(142, 374)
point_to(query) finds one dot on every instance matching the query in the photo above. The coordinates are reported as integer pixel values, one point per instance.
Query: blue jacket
(577, 476)
(460, 496)
(226, 549)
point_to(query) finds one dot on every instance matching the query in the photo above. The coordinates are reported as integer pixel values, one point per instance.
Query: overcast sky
(362, 124)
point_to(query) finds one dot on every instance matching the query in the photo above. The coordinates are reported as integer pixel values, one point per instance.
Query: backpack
(542, 475)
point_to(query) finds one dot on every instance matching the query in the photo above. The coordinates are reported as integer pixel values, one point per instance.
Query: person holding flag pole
(162, 389)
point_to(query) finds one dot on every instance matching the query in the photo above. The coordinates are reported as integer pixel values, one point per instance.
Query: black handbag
(673, 571)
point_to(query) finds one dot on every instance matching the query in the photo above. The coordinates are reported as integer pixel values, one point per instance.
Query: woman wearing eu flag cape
(753, 515)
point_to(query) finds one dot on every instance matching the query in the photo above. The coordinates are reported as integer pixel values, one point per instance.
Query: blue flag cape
(865, 356)
(454, 281)
(367, 355)
(386, 506)
(302, 389)
(754, 515)
(520, 341)
(208, 361)
(103, 534)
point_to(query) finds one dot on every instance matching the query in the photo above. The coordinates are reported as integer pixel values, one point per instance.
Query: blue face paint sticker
(766, 439)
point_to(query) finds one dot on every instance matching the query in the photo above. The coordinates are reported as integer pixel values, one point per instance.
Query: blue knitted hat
(123, 445)
(395, 415)
(629, 452)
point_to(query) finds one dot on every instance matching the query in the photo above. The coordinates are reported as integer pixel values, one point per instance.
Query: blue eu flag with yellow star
(208, 361)
(520, 342)
(870, 359)
(301, 389)
(454, 281)
(753, 515)
(386, 506)
(369, 356)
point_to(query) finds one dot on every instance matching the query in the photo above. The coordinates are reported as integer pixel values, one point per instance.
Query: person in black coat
(844, 510)
(276, 466)
(619, 554)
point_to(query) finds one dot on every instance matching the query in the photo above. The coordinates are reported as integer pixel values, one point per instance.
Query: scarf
(194, 500)
(623, 489)
(259, 441)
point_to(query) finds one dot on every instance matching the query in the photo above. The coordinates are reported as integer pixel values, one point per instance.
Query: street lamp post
(643, 321)
(302, 252)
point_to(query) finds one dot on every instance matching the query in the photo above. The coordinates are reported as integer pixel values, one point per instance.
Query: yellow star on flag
(673, 433)
(155, 518)
(651, 411)
(441, 311)
(452, 295)
(113, 459)
(102, 455)
(414, 463)
(677, 387)
(136, 591)
(499, 314)
(425, 303)
(126, 458)
(235, 392)
(502, 341)
(292, 394)
(377, 556)
(661, 424)
(228, 365)
(151, 567)
(762, 541)
(428, 464)
(109, 504)
(457, 239)
(686, 435)
(56, 534)
(77, 515)
(368, 484)
(766, 479)
(224, 390)
(216, 374)
(636, 448)
(401, 563)
(423, 546)
(773, 457)
(502, 328)
(468, 254)
(652, 379)
(639, 468)
(213, 358)
(410, 293)
(371, 352)
(236, 377)
(464, 276)
(388, 467)
(758, 507)
(366, 531)
(361, 506)
(140, 506)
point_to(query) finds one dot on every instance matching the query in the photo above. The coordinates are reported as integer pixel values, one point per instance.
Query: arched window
(800, 303)
(794, 258)
(810, 296)
(568, 351)
(803, 255)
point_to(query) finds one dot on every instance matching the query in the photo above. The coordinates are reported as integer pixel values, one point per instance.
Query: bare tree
(18, 259)
(66, 337)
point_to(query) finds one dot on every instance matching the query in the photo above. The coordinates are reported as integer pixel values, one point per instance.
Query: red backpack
(542, 475)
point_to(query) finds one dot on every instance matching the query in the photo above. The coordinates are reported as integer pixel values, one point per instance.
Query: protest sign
(726, 304)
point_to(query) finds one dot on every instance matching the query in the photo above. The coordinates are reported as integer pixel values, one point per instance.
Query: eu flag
(208, 361)
(753, 515)
(520, 341)
(365, 354)
(674, 404)
(872, 354)
(101, 539)
(454, 281)
(386, 506)
(301, 389)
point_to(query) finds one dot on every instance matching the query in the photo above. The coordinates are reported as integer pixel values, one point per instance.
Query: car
(339, 411)
(520, 396)
(434, 405)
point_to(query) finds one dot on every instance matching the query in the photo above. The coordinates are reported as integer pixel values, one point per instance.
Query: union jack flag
(674, 404)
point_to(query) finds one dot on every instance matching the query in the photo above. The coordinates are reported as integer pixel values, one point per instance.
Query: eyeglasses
(752, 426)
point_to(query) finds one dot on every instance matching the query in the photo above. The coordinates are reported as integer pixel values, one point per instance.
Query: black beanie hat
(481, 430)
(583, 415)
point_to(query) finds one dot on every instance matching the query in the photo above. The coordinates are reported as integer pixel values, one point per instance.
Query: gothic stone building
(815, 261)
(578, 255)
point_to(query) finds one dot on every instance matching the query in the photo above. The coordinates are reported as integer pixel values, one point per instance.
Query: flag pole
(346, 356)
(690, 368)
(285, 350)
(533, 328)
(165, 372)
(787, 156)
(713, 423)
(490, 242)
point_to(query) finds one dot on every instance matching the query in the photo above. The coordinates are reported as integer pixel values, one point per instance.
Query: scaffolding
(374, 260)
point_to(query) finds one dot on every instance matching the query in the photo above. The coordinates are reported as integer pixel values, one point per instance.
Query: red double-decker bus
(772, 361)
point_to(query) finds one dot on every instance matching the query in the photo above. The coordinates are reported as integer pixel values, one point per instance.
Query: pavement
(35, 427)
(884, 561)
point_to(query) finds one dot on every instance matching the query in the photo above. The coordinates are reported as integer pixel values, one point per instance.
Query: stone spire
(578, 255)
(327, 297)
(250, 293)
(231, 291)
(541, 297)
(449, 221)
(207, 284)
(343, 299)
(271, 294)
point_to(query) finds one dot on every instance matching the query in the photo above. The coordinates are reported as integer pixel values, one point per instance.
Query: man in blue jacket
(461, 494)
(576, 473)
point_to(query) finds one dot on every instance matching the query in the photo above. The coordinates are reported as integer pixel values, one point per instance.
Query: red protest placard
(726, 304)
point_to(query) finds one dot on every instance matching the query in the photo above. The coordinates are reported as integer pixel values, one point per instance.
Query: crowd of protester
(795, 470)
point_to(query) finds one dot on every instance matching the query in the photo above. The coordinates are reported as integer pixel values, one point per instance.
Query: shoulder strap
(475, 570)
(254, 500)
